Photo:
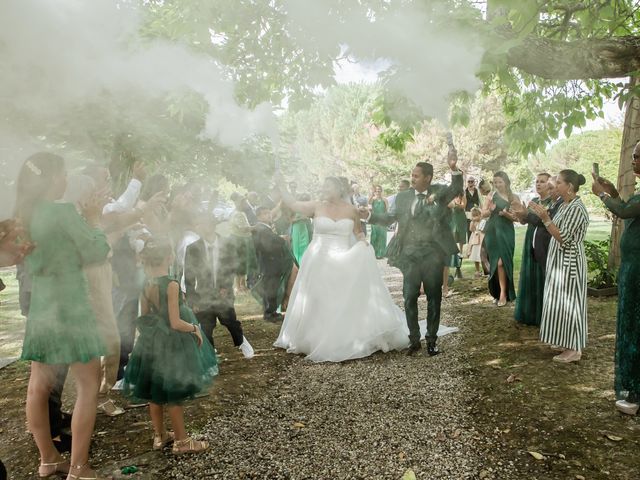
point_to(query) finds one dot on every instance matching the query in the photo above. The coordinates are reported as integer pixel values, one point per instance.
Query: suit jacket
(271, 251)
(201, 289)
(437, 222)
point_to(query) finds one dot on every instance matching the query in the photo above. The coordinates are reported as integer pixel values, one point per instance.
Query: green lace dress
(531, 289)
(499, 241)
(167, 366)
(379, 232)
(627, 359)
(61, 326)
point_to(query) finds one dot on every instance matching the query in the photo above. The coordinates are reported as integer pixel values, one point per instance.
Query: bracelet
(546, 224)
(195, 329)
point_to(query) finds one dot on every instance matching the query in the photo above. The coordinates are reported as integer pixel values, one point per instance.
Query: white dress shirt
(126, 201)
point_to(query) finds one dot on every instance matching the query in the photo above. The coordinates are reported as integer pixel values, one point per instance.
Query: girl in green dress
(61, 326)
(499, 240)
(170, 362)
(531, 290)
(378, 204)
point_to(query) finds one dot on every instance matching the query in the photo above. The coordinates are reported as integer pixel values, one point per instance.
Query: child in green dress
(170, 362)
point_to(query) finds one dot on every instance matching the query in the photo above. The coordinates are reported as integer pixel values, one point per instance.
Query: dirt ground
(522, 400)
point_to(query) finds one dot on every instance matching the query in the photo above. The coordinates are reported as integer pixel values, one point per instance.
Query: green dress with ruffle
(166, 365)
(61, 326)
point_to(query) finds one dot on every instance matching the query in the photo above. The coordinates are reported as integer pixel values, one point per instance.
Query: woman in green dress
(61, 326)
(627, 358)
(301, 232)
(378, 204)
(500, 240)
(531, 289)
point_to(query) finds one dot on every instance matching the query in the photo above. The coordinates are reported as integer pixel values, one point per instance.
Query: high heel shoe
(189, 445)
(82, 476)
(161, 441)
(46, 470)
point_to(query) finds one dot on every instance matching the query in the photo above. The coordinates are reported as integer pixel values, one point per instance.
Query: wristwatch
(603, 195)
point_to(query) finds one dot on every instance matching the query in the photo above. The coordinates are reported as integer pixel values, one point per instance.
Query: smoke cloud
(428, 61)
(59, 56)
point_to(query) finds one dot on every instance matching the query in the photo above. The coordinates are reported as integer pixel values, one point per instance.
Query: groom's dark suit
(422, 248)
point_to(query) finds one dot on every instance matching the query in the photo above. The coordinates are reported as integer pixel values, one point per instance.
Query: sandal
(110, 409)
(161, 441)
(79, 476)
(189, 445)
(46, 470)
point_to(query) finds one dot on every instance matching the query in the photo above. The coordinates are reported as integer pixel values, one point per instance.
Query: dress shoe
(274, 318)
(62, 443)
(432, 349)
(413, 348)
(627, 407)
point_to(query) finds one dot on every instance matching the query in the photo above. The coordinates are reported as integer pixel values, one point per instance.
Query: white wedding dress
(340, 309)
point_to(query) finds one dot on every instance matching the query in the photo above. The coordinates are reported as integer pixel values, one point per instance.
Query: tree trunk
(626, 178)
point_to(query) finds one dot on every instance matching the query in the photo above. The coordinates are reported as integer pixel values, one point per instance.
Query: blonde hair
(475, 212)
(155, 251)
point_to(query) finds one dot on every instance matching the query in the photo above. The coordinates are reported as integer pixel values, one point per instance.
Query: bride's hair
(338, 184)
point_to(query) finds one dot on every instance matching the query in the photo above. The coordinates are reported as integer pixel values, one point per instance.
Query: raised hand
(452, 155)
(603, 185)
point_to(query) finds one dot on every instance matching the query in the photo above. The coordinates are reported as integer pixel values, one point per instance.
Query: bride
(339, 309)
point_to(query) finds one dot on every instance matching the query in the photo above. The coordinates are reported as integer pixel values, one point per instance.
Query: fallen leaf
(506, 430)
(299, 425)
(409, 475)
(513, 378)
(536, 455)
(580, 477)
(456, 433)
(613, 438)
(402, 455)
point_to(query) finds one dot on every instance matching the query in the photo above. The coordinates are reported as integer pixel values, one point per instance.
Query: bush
(599, 274)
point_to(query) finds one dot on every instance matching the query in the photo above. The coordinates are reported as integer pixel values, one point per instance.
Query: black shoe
(413, 348)
(274, 318)
(432, 349)
(64, 444)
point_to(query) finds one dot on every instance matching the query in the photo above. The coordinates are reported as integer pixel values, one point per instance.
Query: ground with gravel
(482, 409)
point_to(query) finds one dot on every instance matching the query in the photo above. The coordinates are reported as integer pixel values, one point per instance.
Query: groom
(423, 245)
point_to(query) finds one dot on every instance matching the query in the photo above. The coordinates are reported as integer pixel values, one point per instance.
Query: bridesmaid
(301, 232)
(378, 204)
(530, 293)
(499, 240)
(61, 326)
(627, 379)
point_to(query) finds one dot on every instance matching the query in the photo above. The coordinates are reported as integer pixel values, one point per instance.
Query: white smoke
(428, 61)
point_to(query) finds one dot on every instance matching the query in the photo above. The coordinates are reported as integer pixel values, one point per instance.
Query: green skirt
(166, 366)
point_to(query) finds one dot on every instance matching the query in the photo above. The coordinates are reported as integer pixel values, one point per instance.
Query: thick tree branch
(590, 58)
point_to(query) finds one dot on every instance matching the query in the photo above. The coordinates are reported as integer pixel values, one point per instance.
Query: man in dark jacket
(210, 265)
(423, 245)
(274, 262)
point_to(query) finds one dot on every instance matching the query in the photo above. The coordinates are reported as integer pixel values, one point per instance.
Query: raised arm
(305, 208)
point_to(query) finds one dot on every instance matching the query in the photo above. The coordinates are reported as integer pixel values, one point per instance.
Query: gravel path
(371, 418)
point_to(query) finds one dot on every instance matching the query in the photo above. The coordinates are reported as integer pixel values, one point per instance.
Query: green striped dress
(564, 312)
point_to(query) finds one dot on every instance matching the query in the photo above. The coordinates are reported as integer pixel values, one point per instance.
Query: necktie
(420, 204)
